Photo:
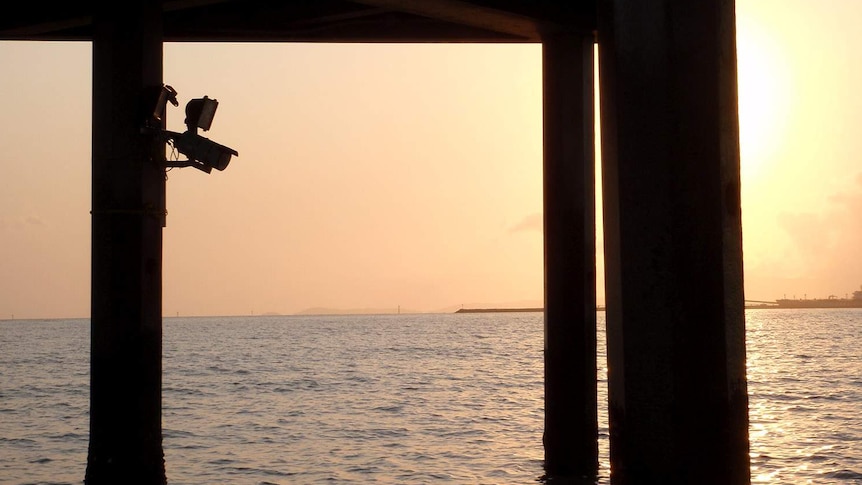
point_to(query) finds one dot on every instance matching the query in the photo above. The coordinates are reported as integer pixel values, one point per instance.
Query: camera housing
(203, 153)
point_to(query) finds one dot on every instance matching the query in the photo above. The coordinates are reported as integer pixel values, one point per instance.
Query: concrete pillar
(673, 242)
(128, 183)
(571, 429)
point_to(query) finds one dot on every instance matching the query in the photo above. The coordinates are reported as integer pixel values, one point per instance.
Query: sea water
(430, 398)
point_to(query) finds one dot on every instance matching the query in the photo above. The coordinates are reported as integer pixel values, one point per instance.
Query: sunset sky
(373, 176)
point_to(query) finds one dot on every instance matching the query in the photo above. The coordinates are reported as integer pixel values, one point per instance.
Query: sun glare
(764, 93)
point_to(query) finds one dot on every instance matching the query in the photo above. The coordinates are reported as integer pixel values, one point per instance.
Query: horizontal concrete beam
(345, 21)
(464, 13)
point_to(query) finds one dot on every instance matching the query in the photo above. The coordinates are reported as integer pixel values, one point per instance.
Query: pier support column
(673, 242)
(571, 430)
(128, 183)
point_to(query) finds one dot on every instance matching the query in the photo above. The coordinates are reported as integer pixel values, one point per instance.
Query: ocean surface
(432, 398)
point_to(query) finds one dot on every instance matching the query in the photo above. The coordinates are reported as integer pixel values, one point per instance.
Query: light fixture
(203, 153)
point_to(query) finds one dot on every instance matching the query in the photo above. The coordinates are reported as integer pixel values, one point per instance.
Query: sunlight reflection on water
(402, 399)
(804, 395)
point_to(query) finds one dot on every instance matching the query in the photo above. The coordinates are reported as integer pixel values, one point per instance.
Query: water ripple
(401, 399)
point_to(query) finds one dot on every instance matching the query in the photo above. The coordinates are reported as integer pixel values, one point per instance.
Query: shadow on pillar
(571, 425)
(128, 185)
(673, 243)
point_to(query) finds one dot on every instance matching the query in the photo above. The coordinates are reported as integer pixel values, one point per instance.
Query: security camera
(203, 153)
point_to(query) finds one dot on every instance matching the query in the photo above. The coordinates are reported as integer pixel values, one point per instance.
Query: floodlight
(200, 113)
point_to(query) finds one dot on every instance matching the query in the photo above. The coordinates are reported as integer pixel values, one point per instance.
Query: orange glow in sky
(373, 176)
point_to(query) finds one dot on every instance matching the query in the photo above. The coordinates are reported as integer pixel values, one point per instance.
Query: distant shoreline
(509, 310)
(601, 308)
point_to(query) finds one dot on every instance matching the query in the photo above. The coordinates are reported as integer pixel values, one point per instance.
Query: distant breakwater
(509, 310)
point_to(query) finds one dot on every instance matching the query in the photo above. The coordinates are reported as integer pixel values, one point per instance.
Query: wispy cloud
(825, 244)
(533, 222)
(34, 221)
